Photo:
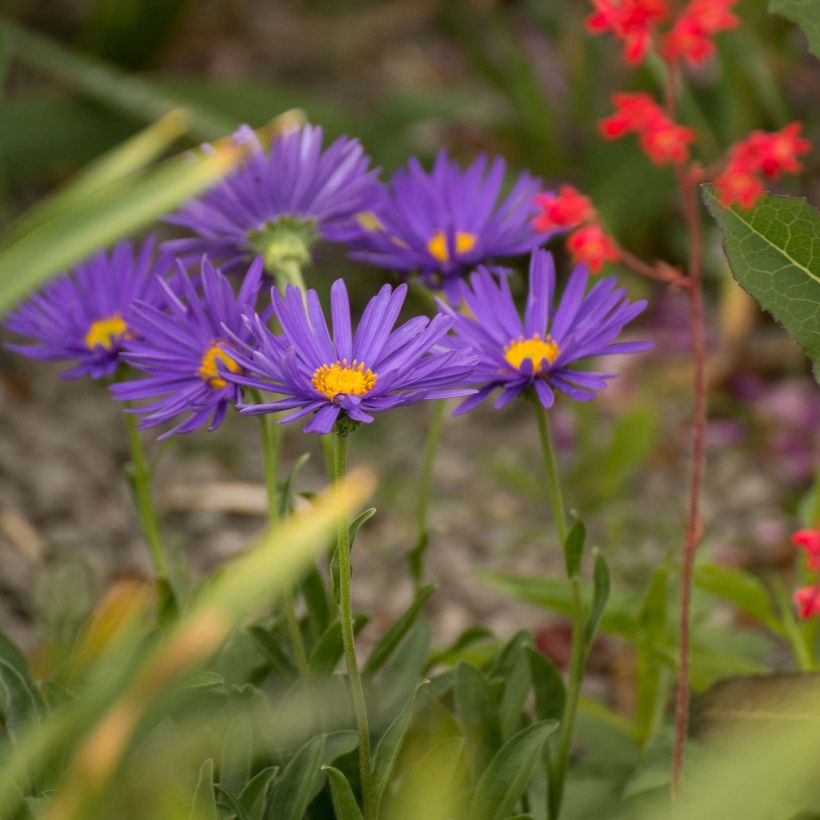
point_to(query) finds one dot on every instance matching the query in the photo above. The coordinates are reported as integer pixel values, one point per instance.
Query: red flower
(667, 142)
(807, 601)
(736, 185)
(778, 150)
(809, 540)
(631, 21)
(590, 244)
(691, 33)
(567, 208)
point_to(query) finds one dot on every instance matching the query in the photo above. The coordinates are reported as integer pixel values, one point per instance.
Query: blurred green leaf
(509, 773)
(316, 603)
(237, 754)
(600, 596)
(774, 253)
(547, 686)
(517, 684)
(404, 670)
(253, 795)
(272, 650)
(806, 14)
(574, 549)
(293, 788)
(21, 701)
(478, 717)
(328, 650)
(204, 805)
(344, 803)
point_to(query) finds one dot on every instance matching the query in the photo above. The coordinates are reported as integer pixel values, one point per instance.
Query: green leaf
(516, 688)
(237, 754)
(228, 800)
(742, 589)
(388, 748)
(477, 715)
(547, 685)
(774, 253)
(509, 773)
(328, 651)
(391, 639)
(204, 805)
(344, 803)
(286, 491)
(252, 796)
(272, 650)
(355, 525)
(401, 675)
(292, 790)
(600, 595)
(806, 14)
(21, 702)
(316, 603)
(574, 549)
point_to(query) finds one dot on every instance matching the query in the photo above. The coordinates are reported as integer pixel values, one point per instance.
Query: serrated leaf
(293, 789)
(510, 772)
(388, 748)
(547, 685)
(204, 805)
(344, 802)
(806, 13)
(774, 253)
(477, 715)
(391, 639)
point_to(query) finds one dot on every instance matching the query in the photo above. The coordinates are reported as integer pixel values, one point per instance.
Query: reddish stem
(658, 272)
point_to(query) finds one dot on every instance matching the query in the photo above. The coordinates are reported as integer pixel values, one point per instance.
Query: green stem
(271, 445)
(416, 556)
(557, 766)
(287, 272)
(140, 475)
(346, 616)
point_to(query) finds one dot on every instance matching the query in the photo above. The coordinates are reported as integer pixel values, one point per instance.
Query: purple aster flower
(183, 350)
(542, 351)
(86, 316)
(446, 222)
(355, 374)
(280, 201)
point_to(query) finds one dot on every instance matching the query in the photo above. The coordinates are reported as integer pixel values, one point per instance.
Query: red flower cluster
(661, 138)
(589, 243)
(770, 153)
(807, 599)
(691, 33)
(632, 21)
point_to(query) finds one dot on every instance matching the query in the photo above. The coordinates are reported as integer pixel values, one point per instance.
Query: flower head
(541, 351)
(807, 601)
(349, 374)
(86, 316)
(736, 185)
(632, 21)
(592, 246)
(445, 222)
(809, 541)
(280, 201)
(691, 34)
(565, 209)
(184, 352)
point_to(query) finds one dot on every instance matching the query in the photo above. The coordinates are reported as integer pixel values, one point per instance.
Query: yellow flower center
(438, 244)
(213, 357)
(536, 349)
(339, 378)
(105, 332)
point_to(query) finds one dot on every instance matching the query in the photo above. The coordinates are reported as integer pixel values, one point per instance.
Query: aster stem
(557, 765)
(271, 446)
(415, 557)
(139, 473)
(288, 272)
(348, 639)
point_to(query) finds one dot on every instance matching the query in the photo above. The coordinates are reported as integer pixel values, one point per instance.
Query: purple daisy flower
(542, 351)
(280, 201)
(87, 316)
(357, 375)
(184, 351)
(446, 222)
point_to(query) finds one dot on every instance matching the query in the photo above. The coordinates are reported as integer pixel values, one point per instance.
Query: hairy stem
(348, 639)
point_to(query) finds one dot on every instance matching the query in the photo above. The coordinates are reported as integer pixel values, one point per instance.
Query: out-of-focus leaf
(742, 589)
(204, 805)
(344, 802)
(252, 796)
(510, 772)
(547, 686)
(574, 549)
(388, 748)
(461, 645)
(477, 714)
(774, 253)
(293, 788)
(516, 688)
(316, 603)
(272, 651)
(407, 666)
(328, 650)
(600, 596)
(237, 754)
(806, 14)
(391, 639)
(21, 701)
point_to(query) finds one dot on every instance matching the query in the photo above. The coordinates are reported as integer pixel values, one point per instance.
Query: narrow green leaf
(388, 748)
(227, 799)
(477, 715)
(403, 672)
(391, 639)
(509, 773)
(13, 655)
(237, 754)
(292, 790)
(344, 803)
(574, 548)
(21, 701)
(516, 687)
(355, 525)
(600, 596)
(774, 253)
(204, 805)
(252, 796)
(547, 686)
(453, 653)
(286, 491)
(271, 649)
(329, 649)
(806, 14)
(316, 603)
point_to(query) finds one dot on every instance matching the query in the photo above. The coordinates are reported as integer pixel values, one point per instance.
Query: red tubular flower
(591, 245)
(807, 601)
(736, 185)
(691, 33)
(631, 21)
(809, 540)
(564, 210)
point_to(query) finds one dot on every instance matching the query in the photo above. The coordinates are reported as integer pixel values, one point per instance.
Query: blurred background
(520, 78)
